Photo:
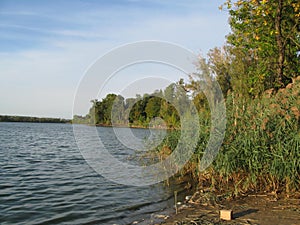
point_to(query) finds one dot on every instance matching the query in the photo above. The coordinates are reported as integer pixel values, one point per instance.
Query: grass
(261, 149)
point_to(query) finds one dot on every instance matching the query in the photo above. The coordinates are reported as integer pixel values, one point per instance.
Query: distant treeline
(141, 111)
(30, 119)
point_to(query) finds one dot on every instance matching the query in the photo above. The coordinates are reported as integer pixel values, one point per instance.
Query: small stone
(226, 214)
(158, 216)
(188, 197)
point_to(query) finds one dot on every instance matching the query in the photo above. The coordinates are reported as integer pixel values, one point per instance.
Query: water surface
(45, 180)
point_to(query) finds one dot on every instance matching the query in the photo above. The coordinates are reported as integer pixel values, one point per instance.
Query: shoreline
(265, 208)
(130, 126)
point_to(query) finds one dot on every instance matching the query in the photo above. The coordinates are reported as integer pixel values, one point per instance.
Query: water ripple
(45, 180)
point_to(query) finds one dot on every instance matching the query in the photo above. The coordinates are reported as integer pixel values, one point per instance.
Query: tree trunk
(280, 43)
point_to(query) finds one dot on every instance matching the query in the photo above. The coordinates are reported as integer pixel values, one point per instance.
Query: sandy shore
(262, 209)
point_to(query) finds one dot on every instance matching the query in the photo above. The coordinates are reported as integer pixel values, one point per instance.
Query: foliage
(264, 44)
(219, 62)
(139, 111)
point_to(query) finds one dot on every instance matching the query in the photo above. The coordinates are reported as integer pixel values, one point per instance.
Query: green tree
(153, 107)
(118, 110)
(265, 38)
(137, 113)
(106, 108)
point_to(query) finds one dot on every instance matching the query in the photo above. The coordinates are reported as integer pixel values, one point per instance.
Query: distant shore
(135, 126)
(30, 119)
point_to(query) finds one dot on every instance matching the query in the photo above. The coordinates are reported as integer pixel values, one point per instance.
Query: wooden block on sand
(226, 214)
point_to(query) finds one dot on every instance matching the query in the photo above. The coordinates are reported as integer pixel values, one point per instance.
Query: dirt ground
(262, 209)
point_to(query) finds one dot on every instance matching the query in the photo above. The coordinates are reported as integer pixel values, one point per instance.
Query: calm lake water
(45, 180)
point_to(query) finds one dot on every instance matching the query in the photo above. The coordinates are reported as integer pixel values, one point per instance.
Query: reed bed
(261, 149)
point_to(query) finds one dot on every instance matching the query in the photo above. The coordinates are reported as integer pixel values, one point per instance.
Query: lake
(45, 180)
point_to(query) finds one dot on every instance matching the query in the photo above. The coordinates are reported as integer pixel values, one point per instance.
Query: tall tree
(219, 61)
(118, 110)
(265, 34)
(94, 113)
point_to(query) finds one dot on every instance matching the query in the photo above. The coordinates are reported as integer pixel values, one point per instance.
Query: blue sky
(46, 46)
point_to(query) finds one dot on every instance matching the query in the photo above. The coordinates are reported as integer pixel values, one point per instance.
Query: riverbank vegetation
(258, 70)
(259, 73)
(30, 119)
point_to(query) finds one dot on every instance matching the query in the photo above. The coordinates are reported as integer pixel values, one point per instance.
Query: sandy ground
(263, 209)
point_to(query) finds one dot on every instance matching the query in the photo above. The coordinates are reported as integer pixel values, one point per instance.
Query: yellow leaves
(240, 39)
(274, 32)
(296, 7)
(256, 37)
(264, 2)
(265, 23)
(258, 12)
(229, 5)
(239, 3)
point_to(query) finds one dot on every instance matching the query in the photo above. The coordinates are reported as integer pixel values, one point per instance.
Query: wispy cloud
(45, 47)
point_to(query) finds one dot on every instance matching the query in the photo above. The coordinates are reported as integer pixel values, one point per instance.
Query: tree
(129, 103)
(265, 35)
(153, 107)
(101, 111)
(118, 110)
(106, 108)
(219, 61)
(94, 113)
(137, 112)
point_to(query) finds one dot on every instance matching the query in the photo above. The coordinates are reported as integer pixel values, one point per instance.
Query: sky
(46, 47)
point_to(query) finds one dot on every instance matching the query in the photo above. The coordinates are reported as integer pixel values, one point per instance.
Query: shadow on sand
(244, 213)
